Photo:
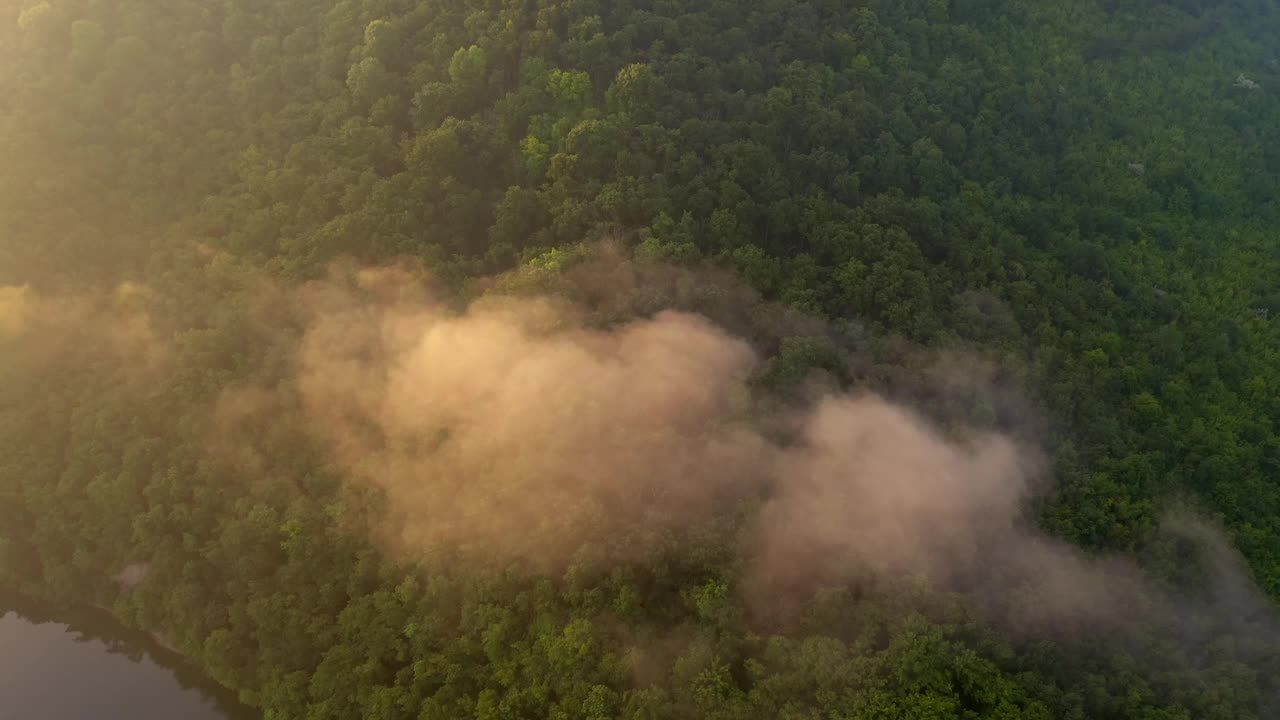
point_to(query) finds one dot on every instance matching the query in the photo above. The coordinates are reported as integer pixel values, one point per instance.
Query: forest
(523, 359)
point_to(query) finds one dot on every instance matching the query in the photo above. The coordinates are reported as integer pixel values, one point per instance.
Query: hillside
(653, 359)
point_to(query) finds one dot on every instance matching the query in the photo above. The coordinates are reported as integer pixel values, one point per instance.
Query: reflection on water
(82, 665)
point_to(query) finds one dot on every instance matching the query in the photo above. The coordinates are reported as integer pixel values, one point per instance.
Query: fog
(598, 410)
(528, 425)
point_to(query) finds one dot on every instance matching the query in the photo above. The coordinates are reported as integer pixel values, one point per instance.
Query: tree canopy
(1084, 194)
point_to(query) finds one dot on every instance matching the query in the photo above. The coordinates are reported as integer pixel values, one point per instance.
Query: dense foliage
(1085, 189)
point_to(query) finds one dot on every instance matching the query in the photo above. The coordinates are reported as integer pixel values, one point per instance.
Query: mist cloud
(116, 323)
(513, 427)
(522, 428)
(873, 486)
(14, 308)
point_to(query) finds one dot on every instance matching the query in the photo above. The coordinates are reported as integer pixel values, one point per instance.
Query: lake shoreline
(156, 637)
(98, 622)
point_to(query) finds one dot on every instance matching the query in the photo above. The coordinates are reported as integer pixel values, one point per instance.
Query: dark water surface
(83, 665)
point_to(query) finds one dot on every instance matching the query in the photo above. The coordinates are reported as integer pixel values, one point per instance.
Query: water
(83, 665)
